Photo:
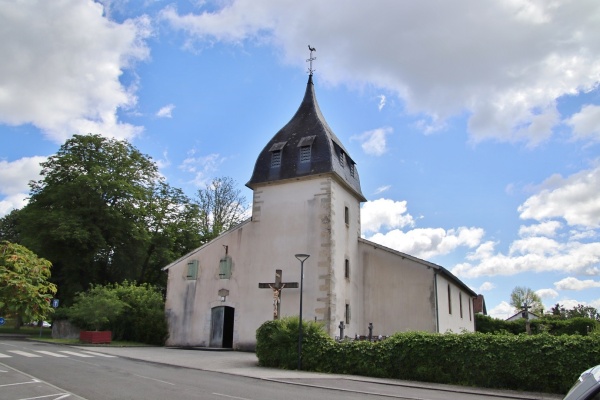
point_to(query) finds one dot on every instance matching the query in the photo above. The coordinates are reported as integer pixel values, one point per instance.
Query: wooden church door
(221, 329)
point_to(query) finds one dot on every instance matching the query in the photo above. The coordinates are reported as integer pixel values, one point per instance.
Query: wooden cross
(277, 287)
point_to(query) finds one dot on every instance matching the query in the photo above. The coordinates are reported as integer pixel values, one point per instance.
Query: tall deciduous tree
(25, 291)
(222, 206)
(101, 212)
(524, 296)
(9, 229)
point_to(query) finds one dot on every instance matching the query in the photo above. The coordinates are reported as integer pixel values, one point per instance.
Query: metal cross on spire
(311, 59)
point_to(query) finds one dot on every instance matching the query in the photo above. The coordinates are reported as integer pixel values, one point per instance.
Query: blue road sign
(1, 321)
(55, 303)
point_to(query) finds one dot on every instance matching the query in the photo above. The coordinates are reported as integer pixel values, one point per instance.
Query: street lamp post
(301, 258)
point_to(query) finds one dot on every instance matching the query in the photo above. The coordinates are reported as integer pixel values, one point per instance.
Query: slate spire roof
(305, 146)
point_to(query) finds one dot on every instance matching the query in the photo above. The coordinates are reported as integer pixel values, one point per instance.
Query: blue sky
(475, 125)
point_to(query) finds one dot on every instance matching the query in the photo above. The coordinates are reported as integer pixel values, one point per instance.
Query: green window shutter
(192, 269)
(225, 268)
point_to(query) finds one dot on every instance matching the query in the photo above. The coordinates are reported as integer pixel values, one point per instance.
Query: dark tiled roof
(306, 128)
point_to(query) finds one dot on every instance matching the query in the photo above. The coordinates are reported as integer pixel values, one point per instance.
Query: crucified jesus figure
(276, 299)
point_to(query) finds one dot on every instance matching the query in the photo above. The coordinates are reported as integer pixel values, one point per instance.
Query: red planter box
(95, 337)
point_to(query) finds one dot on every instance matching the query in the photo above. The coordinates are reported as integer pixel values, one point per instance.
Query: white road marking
(23, 353)
(20, 383)
(98, 354)
(152, 379)
(4, 356)
(49, 353)
(231, 397)
(62, 396)
(76, 354)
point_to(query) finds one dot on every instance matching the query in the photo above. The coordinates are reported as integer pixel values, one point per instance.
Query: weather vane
(311, 59)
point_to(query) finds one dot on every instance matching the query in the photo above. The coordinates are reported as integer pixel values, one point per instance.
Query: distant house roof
(305, 146)
(519, 315)
(479, 305)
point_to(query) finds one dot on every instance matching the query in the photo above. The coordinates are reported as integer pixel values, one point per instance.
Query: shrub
(546, 324)
(96, 309)
(277, 344)
(145, 319)
(540, 363)
(132, 312)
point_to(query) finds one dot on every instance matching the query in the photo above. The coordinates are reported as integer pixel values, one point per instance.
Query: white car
(45, 324)
(587, 386)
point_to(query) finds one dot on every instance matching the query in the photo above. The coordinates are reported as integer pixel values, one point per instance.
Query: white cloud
(549, 245)
(486, 287)
(426, 243)
(576, 199)
(586, 123)
(384, 213)
(13, 202)
(502, 311)
(547, 293)
(449, 63)
(570, 257)
(374, 142)
(547, 228)
(15, 175)
(382, 189)
(202, 167)
(166, 111)
(571, 283)
(66, 61)
(14, 179)
(382, 101)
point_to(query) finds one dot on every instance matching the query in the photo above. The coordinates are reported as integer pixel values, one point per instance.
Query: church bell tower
(306, 199)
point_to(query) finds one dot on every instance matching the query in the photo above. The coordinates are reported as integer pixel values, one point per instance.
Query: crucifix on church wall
(277, 287)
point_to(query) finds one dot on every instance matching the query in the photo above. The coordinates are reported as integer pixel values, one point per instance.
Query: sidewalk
(246, 364)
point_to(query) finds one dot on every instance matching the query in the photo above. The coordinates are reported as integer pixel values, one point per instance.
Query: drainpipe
(437, 313)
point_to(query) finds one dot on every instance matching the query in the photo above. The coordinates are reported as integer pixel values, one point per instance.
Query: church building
(306, 217)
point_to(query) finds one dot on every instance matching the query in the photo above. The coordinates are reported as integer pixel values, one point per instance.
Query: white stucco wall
(302, 216)
(399, 292)
(455, 307)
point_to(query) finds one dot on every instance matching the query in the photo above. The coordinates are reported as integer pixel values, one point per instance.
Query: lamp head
(302, 257)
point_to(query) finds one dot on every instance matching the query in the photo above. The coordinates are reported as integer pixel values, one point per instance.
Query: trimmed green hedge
(551, 325)
(538, 363)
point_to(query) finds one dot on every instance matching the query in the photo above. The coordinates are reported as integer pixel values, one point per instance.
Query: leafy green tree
(102, 213)
(132, 312)
(9, 229)
(523, 296)
(25, 291)
(145, 319)
(558, 311)
(173, 222)
(96, 309)
(221, 205)
(581, 311)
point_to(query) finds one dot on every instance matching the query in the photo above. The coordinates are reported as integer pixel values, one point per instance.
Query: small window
(305, 154)
(347, 269)
(342, 158)
(460, 304)
(347, 215)
(470, 314)
(449, 300)
(192, 269)
(347, 316)
(225, 268)
(276, 159)
(351, 166)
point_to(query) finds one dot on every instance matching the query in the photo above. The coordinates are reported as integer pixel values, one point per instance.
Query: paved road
(33, 369)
